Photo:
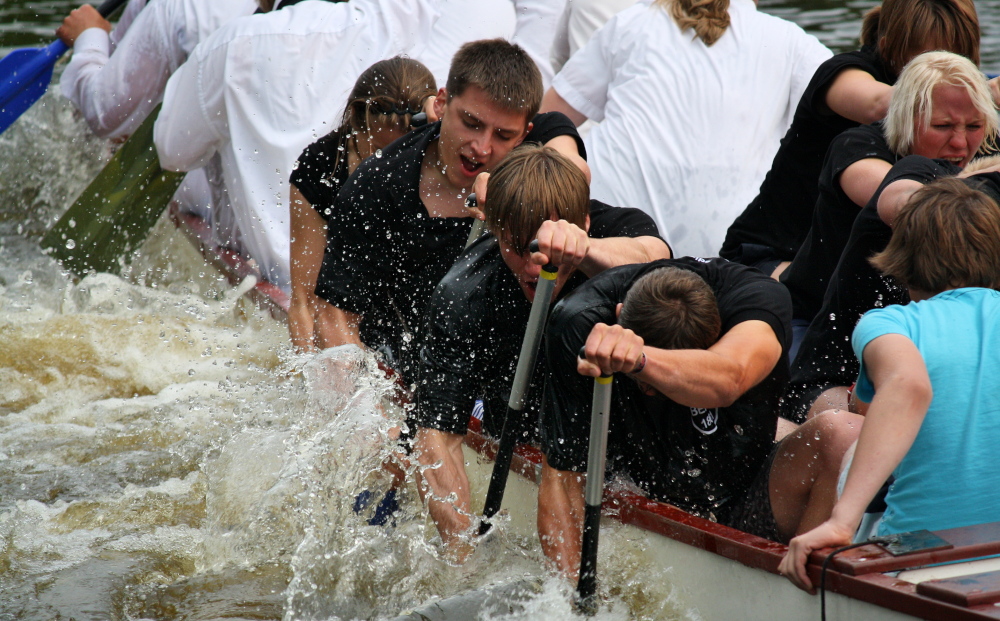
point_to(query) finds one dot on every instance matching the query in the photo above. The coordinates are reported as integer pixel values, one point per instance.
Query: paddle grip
(548, 267)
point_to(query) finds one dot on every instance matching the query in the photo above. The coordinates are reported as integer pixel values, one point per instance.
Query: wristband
(639, 367)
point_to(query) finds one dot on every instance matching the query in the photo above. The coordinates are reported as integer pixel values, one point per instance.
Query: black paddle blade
(112, 217)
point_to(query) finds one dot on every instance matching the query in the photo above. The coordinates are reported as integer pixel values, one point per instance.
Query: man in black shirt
(698, 350)
(476, 319)
(400, 221)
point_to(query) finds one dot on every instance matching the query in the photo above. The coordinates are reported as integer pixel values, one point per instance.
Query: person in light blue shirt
(931, 372)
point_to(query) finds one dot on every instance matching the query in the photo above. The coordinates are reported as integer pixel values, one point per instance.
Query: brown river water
(164, 455)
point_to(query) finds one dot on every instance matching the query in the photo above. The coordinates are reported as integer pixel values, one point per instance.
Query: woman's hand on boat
(610, 349)
(826, 535)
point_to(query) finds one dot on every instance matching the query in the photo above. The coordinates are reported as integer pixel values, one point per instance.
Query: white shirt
(117, 91)
(537, 22)
(579, 21)
(461, 21)
(262, 88)
(688, 131)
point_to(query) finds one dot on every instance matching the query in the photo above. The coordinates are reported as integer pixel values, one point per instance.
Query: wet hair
(385, 97)
(708, 18)
(911, 107)
(902, 28)
(672, 308)
(503, 70)
(529, 186)
(947, 236)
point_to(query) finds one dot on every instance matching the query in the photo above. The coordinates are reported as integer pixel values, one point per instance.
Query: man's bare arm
(614, 251)
(444, 486)
(710, 378)
(553, 102)
(337, 327)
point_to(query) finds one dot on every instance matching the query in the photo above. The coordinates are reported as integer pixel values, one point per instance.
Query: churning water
(163, 455)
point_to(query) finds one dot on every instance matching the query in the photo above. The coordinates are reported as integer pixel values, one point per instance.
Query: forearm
(337, 327)
(693, 377)
(614, 251)
(856, 95)
(443, 483)
(553, 102)
(560, 519)
(308, 242)
(894, 196)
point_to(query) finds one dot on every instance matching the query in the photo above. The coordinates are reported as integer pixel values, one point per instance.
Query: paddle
(25, 74)
(587, 583)
(114, 214)
(522, 378)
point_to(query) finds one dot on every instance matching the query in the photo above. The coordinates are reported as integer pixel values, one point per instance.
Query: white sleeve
(193, 121)
(809, 54)
(125, 21)
(537, 21)
(116, 92)
(584, 79)
(560, 43)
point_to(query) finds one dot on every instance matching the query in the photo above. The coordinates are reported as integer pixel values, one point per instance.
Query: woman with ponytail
(380, 109)
(693, 98)
(849, 90)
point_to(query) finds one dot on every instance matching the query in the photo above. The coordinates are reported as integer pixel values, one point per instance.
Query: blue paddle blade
(24, 77)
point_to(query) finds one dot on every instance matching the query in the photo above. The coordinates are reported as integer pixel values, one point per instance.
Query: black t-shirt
(825, 357)
(775, 223)
(808, 275)
(385, 254)
(475, 323)
(321, 171)
(701, 460)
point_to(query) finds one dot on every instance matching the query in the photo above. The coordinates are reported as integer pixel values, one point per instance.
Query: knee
(835, 431)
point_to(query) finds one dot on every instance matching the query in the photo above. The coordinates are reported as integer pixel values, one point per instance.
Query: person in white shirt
(537, 22)
(461, 21)
(579, 21)
(692, 110)
(263, 88)
(116, 91)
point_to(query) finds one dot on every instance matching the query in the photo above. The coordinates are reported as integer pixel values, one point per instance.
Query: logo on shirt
(705, 420)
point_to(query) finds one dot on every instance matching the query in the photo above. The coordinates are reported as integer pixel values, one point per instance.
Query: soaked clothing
(321, 171)
(776, 222)
(701, 460)
(808, 275)
(475, 324)
(825, 358)
(385, 254)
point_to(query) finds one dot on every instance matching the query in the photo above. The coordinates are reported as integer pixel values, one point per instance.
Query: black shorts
(754, 514)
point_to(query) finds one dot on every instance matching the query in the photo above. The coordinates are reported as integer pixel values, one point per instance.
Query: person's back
(688, 129)
(948, 478)
(262, 88)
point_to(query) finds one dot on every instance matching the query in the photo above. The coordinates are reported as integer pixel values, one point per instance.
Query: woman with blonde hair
(380, 109)
(941, 116)
(848, 90)
(693, 98)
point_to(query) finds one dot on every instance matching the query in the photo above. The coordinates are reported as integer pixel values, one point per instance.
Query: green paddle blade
(114, 214)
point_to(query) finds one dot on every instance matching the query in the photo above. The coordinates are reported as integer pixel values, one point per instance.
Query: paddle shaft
(513, 423)
(594, 491)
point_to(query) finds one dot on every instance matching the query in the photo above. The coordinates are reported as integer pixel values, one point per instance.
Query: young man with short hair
(400, 221)
(698, 349)
(476, 319)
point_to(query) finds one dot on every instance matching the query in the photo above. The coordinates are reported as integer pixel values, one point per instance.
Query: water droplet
(378, 152)
(70, 244)
(72, 225)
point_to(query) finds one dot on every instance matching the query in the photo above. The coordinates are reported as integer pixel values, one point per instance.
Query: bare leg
(785, 427)
(560, 519)
(836, 398)
(803, 481)
(781, 268)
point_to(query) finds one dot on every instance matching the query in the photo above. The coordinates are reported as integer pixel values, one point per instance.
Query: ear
(440, 102)
(586, 227)
(527, 130)
(618, 310)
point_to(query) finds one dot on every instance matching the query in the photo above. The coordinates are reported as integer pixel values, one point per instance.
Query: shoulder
(894, 319)
(608, 221)
(470, 288)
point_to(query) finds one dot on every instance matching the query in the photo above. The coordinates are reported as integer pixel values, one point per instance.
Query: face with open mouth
(476, 134)
(956, 128)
